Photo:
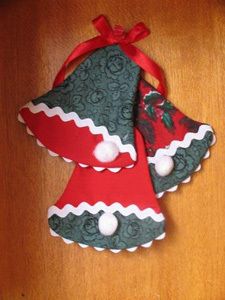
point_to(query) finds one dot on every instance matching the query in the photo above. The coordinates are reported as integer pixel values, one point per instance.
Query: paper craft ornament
(129, 142)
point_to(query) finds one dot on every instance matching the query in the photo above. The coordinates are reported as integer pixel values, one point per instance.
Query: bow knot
(117, 35)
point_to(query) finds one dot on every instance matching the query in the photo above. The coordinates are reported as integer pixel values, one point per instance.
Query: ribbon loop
(117, 35)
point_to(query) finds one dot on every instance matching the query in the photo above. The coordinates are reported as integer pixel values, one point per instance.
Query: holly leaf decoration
(167, 106)
(151, 112)
(167, 120)
(153, 98)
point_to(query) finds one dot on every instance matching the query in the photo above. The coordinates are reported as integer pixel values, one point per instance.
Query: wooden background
(188, 41)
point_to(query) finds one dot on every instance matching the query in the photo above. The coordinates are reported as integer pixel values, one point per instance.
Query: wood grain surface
(188, 41)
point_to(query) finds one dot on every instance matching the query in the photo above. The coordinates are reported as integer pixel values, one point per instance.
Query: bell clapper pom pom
(164, 166)
(106, 151)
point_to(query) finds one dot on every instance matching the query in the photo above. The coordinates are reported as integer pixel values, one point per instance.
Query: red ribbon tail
(102, 25)
(146, 63)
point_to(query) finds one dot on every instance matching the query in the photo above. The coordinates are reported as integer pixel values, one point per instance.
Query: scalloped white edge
(94, 209)
(146, 245)
(72, 116)
(99, 169)
(175, 144)
(188, 179)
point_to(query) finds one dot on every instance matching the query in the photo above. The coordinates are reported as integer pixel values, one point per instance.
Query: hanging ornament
(130, 143)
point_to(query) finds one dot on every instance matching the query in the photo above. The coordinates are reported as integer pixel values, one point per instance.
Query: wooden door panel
(187, 40)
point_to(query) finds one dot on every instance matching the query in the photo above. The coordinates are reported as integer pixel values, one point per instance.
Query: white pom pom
(106, 151)
(164, 165)
(107, 224)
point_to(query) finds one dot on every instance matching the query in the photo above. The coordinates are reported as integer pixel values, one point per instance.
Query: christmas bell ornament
(130, 143)
(88, 117)
(175, 144)
(101, 210)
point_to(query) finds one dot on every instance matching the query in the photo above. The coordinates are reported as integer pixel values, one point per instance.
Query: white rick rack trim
(72, 116)
(94, 209)
(146, 245)
(188, 179)
(151, 92)
(99, 169)
(185, 143)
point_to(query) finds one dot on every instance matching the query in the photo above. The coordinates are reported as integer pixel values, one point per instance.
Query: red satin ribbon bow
(109, 36)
